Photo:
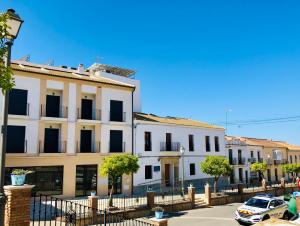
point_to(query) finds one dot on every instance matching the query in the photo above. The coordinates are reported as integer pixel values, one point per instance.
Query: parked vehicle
(277, 222)
(261, 208)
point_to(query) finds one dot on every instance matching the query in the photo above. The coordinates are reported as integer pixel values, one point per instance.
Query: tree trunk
(110, 203)
(215, 185)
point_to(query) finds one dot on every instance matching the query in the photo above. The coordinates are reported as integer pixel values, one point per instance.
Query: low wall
(227, 199)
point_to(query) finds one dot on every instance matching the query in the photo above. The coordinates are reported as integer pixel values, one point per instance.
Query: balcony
(20, 149)
(93, 114)
(269, 162)
(237, 161)
(170, 146)
(279, 162)
(260, 160)
(115, 117)
(93, 148)
(252, 160)
(117, 148)
(58, 147)
(58, 112)
(19, 112)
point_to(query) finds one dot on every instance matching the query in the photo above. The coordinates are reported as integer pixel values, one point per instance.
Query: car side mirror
(271, 207)
(245, 202)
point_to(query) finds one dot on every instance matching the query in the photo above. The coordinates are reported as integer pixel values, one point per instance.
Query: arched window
(277, 155)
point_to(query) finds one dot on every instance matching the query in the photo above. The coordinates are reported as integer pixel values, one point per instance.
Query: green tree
(6, 75)
(216, 166)
(115, 166)
(260, 168)
(293, 169)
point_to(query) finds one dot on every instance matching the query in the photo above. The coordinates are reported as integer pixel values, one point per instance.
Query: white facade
(240, 156)
(157, 157)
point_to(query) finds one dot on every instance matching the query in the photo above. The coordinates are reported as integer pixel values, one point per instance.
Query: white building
(157, 144)
(241, 153)
(62, 123)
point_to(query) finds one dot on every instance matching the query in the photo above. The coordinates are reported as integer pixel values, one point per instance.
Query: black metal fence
(48, 210)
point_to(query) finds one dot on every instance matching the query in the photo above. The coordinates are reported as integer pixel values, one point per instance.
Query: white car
(260, 208)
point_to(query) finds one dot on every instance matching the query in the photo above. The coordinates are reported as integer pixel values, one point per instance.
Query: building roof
(173, 120)
(64, 72)
(263, 142)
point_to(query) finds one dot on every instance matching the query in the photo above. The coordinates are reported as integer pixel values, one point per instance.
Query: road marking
(209, 218)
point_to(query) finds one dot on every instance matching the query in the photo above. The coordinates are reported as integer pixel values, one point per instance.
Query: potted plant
(18, 176)
(159, 212)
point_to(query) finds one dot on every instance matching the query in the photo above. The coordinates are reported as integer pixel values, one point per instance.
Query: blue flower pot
(159, 215)
(17, 180)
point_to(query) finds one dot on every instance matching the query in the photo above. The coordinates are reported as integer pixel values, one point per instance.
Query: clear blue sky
(194, 58)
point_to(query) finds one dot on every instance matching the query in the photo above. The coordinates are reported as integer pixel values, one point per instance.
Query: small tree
(6, 75)
(260, 168)
(115, 166)
(216, 166)
(293, 169)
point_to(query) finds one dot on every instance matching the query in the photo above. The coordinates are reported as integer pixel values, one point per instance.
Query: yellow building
(63, 122)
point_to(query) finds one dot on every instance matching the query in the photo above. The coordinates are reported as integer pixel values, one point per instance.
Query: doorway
(52, 106)
(51, 140)
(86, 179)
(86, 109)
(85, 141)
(167, 175)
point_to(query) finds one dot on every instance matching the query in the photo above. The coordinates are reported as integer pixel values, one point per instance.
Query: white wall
(137, 104)
(179, 134)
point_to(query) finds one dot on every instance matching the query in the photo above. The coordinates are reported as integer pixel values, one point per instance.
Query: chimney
(80, 69)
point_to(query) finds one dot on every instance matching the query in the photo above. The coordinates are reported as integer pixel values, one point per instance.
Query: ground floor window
(241, 174)
(47, 179)
(148, 172)
(117, 185)
(86, 179)
(192, 169)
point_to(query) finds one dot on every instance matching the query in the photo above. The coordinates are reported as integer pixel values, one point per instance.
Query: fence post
(17, 207)
(93, 204)
(159, 222)
(150, 199)
(264, 184)
(282, 183)
(191, 195)
(207, 194)
(241, 191)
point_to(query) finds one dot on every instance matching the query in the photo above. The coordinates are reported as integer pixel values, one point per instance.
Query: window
(241, 174)
(296, 159)
(230, 156)
(240, 160)
(252, 154)
(192, 169)
(191, 142)
(217, 146)
(147, 141)
(291, 159)
(168, 142)
(17, 104)
(148, 172)
(116, 141)
(116, 111)
(16, 139)
(86, 179)
(207, 143)
(258, 156)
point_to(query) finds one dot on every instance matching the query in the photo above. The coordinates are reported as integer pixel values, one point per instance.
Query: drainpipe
(132, 136)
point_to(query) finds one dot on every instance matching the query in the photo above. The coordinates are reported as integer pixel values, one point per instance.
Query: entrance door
(51, 140)
(176, 176)
(167, 175)
(86, 109)
(52, 106)
(276, 174)
(86, 141)
(269, 174)
(241, 174)
(86, 179)
(168, 142)
(246, 176)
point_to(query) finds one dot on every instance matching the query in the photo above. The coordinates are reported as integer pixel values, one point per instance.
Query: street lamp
(14, 23)
(182, 150)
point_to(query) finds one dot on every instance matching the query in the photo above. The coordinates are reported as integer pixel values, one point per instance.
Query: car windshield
(259, 203)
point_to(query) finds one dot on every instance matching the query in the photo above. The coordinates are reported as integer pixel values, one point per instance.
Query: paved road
(213, 216)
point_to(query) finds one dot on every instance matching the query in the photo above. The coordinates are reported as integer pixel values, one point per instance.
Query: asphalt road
(212, 216)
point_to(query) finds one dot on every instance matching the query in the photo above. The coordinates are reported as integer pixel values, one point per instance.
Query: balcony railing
(23, 151)
(95, 148)
(279, 162)
(24, 113)
(63, 112)
(114, 118)
(269, 162)
(237, 161)
(96, 114)
(169, 146)
(62, 147)
(260, 160)
(252, 160)
(113, 149)
(241, 161)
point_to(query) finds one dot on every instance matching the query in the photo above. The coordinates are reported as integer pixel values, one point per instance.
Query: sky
(194, 58)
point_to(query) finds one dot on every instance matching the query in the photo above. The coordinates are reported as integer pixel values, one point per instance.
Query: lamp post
(14, 23)
(182, 150)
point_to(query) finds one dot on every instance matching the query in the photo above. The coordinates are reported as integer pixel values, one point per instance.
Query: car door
(273, 211)
(281, 208)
